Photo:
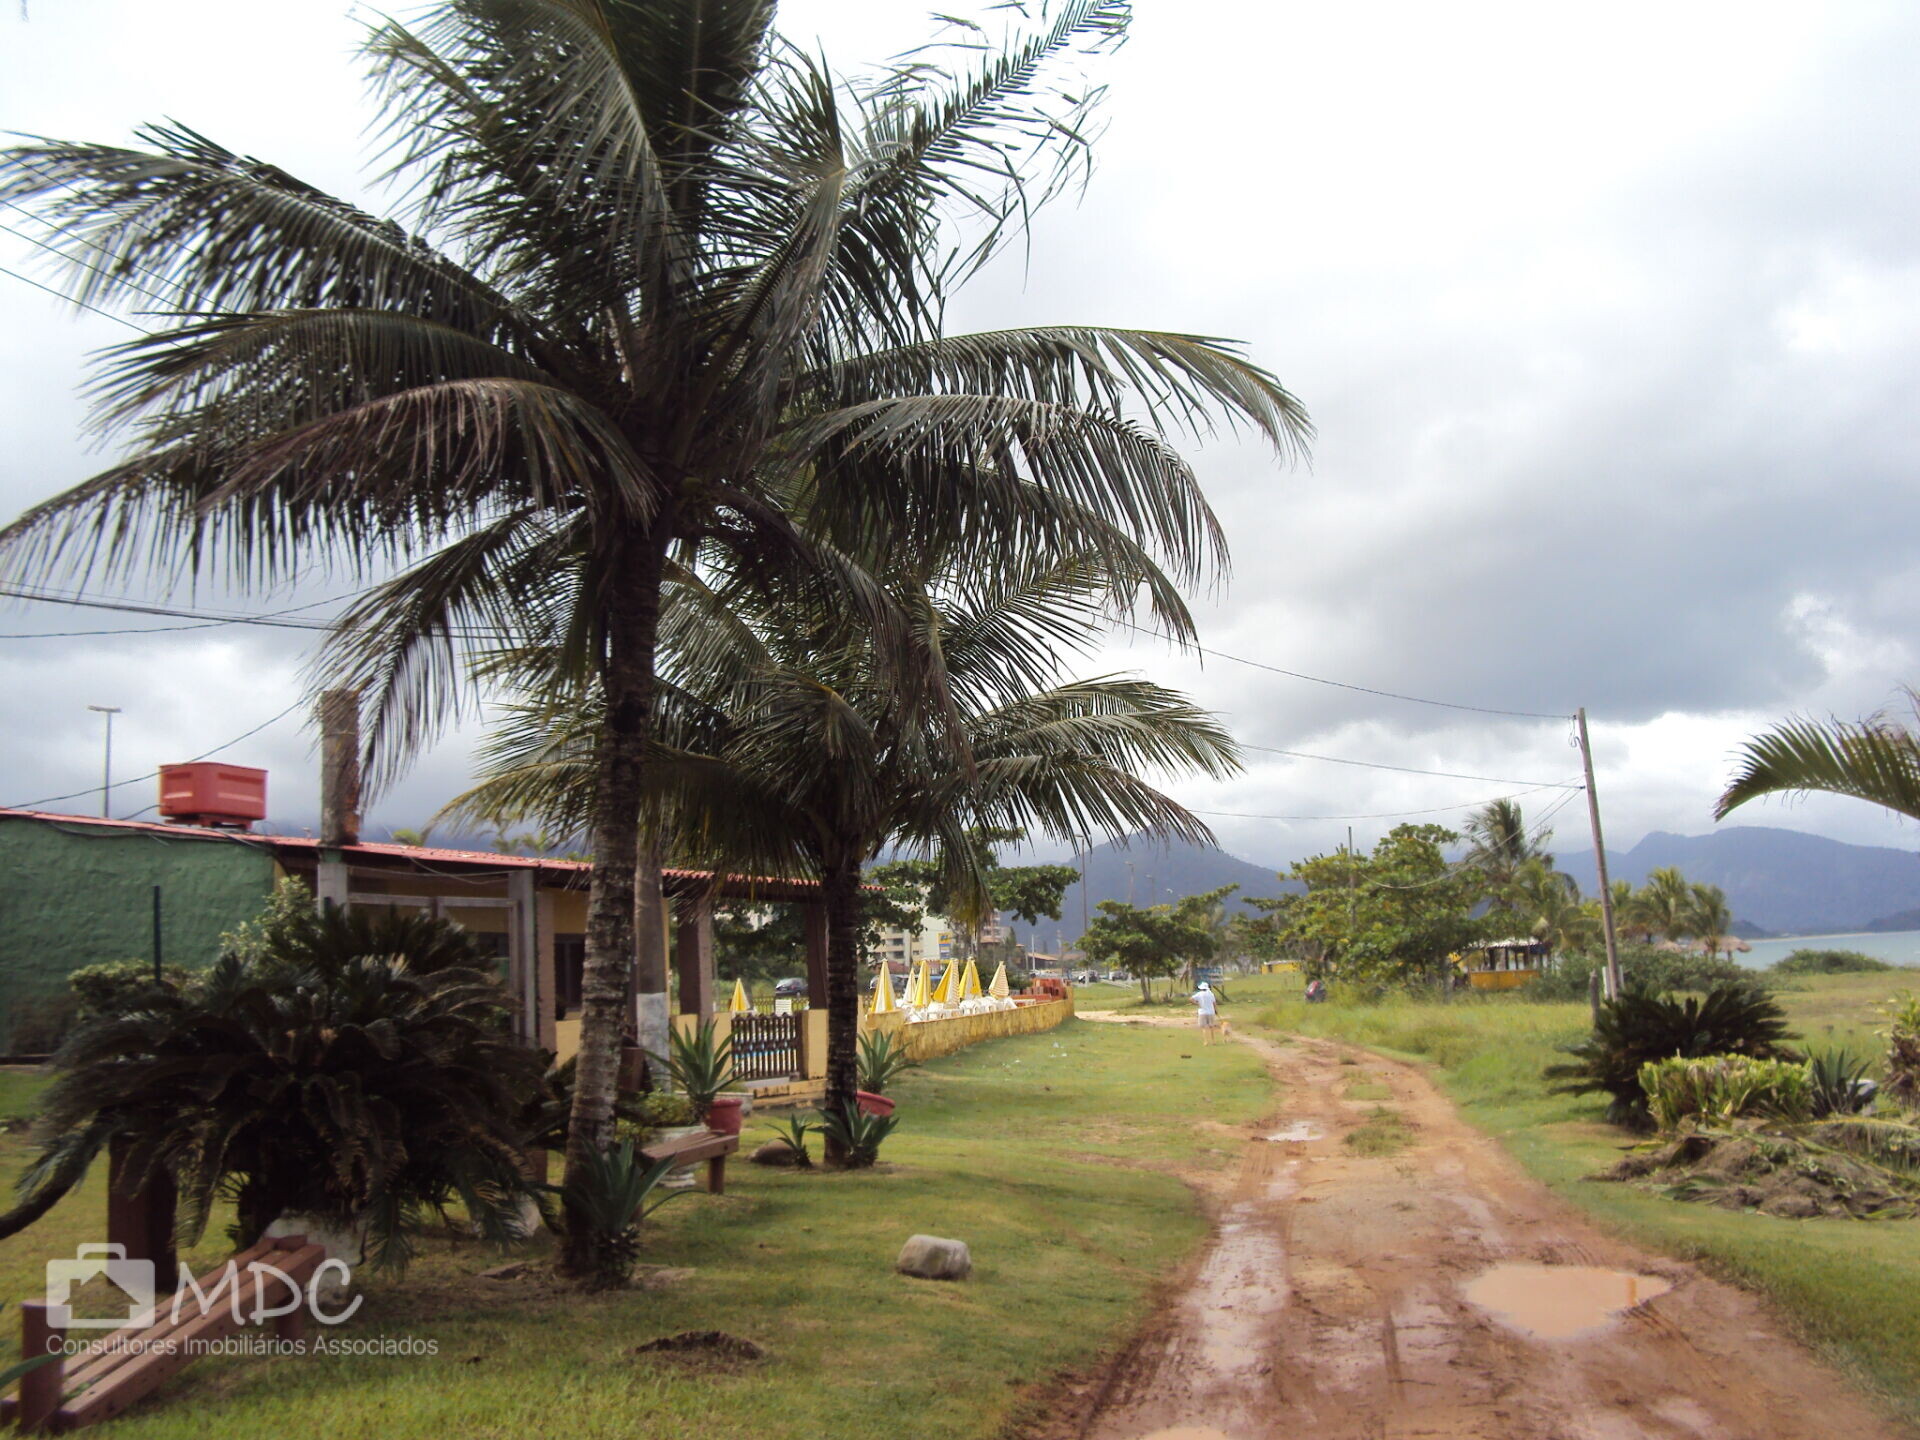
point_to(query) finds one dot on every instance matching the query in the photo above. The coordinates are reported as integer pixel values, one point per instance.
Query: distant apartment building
(932, 941)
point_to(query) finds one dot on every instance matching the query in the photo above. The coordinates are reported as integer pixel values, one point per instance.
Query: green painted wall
(73, 895)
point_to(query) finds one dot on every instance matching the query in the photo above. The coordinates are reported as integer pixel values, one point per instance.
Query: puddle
(1297, 1133)
(1552, 1302)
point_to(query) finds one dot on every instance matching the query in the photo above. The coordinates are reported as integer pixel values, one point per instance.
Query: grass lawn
(1051, 1155)
(1851, 1288)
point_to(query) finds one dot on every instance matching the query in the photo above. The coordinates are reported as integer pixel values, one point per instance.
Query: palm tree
(1876, 759)
(797, 749)
(1630, 910)
(1548, 900)
(1667, 904)
(660, 279)
(1710, 918)
(1498, 845)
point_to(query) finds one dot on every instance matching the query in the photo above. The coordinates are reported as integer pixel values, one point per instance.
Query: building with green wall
(75, 892)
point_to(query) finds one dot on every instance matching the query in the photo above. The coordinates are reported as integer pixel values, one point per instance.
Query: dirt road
(1332, 1302)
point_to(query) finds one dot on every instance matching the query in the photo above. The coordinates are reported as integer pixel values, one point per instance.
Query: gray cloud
(1608, 328)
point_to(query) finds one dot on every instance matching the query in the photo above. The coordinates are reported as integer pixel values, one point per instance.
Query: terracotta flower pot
(723, 1115)
(872, 1104)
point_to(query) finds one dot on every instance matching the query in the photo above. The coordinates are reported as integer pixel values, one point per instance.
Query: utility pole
(106, 766)
(1599, 856)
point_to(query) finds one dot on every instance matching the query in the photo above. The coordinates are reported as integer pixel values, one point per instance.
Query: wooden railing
(766, 1047)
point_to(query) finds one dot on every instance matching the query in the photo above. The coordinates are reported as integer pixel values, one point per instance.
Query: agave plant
(608, 1201)
(361, 1072)
(701, 1064)
(1638, 1027)
(857, 1136)
(882, 1057)
(1839, 1083)
(792, 1131)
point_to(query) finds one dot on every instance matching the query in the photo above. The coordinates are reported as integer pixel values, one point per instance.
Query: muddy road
(1437, 1291)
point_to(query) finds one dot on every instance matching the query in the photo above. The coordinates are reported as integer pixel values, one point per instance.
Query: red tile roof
(678, 882)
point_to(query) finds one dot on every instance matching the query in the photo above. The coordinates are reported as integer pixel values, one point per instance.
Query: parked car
(1119, 977)
(789, 989)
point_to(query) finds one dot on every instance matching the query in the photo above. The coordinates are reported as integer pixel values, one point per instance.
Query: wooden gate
(766, 1047)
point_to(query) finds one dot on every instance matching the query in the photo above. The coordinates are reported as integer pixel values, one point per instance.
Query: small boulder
(775, 1152)
(932, 1258)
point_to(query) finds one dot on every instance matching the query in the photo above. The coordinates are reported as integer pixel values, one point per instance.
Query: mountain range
(1778, 882)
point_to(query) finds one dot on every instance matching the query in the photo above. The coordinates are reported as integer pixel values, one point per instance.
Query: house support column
(813, 915)
(523, 979)
(693, 951)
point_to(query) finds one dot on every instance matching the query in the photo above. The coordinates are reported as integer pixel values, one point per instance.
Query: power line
(151, 774)
(1409, 769)
(58, 295)
(86, 264)
(1383, 814)
(208, 624)
(1338, 684)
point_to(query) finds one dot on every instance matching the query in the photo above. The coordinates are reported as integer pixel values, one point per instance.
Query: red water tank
(209, 793)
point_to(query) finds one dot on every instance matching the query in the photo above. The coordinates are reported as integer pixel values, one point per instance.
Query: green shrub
(1642, 967)
(1639, 1027)
(661, 1110)
(1902, 1035)
(121, 985)
(1724, 1087)
(1829, 962)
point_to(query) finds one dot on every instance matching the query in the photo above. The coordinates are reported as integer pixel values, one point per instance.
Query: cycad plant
(363, 1073)
(657, 277)
(1636, 1028)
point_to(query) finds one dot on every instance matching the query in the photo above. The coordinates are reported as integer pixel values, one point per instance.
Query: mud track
(1330, 1303)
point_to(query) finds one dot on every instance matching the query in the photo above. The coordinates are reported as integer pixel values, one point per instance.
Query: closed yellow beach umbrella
(999, 989)
(883, 992)
(740, 1004)
(917, 993)
(943, 995)
(970, 983)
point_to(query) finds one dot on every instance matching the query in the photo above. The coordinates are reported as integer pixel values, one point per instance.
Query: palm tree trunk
(840, 884)
(632, 621)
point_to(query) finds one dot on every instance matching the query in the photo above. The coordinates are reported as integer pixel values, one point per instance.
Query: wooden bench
(709, 1145)
(135, 1360)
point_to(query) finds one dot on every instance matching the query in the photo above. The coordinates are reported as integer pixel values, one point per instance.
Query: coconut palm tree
(1876, 759)
(1667, 904)
(1548, 901)
(797, 749)
(1710, 918)
(656, 277)
(1498, 845)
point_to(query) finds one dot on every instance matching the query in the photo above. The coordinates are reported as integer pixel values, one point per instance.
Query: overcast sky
(1609, 319)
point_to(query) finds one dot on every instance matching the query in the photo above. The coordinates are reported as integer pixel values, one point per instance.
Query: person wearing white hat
(1209, 1012)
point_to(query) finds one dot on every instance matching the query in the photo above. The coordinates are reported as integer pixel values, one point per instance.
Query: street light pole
(106, 765)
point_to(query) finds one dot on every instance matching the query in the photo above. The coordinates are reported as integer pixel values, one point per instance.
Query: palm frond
(1877, 760)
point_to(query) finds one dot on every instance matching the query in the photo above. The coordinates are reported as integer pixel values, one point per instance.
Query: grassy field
(1851, 1288)
(1051, 1155)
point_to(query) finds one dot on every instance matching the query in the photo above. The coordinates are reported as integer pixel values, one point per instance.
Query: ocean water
(1897, 947)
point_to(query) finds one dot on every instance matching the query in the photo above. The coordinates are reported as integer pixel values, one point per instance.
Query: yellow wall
(923, 1041)
(1499, 979)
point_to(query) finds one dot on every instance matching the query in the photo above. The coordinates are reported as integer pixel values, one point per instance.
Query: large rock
(932, 1258)
(775, 1152)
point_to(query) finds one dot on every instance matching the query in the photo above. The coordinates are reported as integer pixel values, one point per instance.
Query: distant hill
(1783, 881)
(1160, 873)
